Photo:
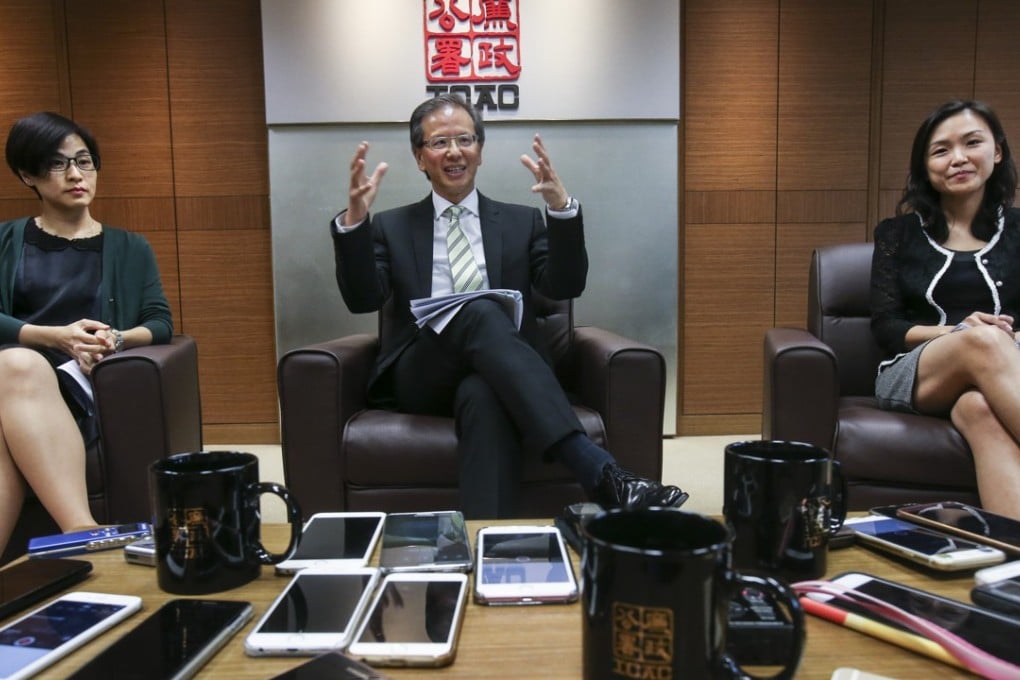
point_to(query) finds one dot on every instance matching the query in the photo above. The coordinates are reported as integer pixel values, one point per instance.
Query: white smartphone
(923, 546)
(41, 637)
(523, 565)
(335, 539)
(173, 643)
(992, 632)
(414, 620)
(425, 541)
(1001, 572)
(317, 612)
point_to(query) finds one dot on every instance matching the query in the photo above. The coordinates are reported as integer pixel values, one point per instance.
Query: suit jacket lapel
(422, 224)
(492, 240)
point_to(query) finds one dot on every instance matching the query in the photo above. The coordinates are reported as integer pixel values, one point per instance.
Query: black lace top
(908, 266)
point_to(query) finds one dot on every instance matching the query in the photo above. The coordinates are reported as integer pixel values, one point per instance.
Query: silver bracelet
(962, 326)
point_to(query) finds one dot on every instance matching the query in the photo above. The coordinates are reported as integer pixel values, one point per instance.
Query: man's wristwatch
(118, 340)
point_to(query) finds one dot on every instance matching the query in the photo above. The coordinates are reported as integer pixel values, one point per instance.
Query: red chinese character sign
(474, 41)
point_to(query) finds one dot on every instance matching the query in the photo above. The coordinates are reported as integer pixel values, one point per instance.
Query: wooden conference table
(514, 642)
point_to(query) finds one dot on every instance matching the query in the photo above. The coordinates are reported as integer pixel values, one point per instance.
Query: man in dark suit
(475, 363)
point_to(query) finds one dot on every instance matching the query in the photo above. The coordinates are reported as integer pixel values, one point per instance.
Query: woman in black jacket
(945, 292)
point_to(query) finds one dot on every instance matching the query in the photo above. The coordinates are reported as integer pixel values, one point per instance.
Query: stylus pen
(882, 631)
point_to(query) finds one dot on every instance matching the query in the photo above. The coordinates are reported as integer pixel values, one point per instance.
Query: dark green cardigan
(131, 292)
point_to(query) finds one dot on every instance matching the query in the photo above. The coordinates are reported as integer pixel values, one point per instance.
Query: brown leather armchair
(148, 406)
(340, 455)
(819, 388)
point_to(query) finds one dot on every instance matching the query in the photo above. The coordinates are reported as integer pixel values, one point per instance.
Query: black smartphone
(25, 583)
(331, 666)
(1001, 596)
(173, 642)
(968, 521)
(425, 541)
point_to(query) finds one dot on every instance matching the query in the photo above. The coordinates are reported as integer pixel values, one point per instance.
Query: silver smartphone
(317, 612)
(425, 541)
(174, 642)
(335, 539)
(414, 620)
(141, 552)
(523, 565)
(923, 546)
(41, 637)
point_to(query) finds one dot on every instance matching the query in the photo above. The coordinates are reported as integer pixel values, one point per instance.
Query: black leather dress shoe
(621, 489)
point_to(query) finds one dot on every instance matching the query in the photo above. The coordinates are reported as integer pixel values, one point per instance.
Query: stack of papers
(436, 312)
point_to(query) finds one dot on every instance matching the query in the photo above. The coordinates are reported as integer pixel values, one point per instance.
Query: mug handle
(784, 595)
(293, 518)
(839, 498)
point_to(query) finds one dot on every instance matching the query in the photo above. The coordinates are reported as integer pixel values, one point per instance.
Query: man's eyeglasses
(59, 163)
(443, 143)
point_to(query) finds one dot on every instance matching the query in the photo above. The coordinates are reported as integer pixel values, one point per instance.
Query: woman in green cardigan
(72, 291)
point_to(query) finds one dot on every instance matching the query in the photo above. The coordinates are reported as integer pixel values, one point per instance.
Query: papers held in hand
(436, 312)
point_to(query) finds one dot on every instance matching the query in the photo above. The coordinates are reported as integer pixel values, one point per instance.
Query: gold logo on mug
(189, 531)
(642, 641)
(814, 516)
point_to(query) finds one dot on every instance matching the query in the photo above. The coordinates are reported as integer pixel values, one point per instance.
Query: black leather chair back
(839, 313)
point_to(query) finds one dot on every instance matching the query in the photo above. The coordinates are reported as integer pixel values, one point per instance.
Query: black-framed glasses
(60, 163)
(443, 143)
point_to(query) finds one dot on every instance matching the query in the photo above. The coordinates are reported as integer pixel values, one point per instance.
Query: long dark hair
(921, 197)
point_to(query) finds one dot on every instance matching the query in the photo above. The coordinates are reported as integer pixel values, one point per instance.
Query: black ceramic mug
(656, 591)
(206, 521)
(783, 500)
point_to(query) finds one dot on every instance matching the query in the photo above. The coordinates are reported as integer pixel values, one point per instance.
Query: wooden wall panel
(928, 58)
(228, 308)
(118, 74)
(730, 300)
(31, 58)
(995, 77)
(729, 62)
(824, 94)
(218, 99)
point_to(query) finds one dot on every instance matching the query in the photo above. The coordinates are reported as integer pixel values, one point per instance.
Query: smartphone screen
(174, 642)
(914, 538)
(316, 612)
(1002, 531)
(523, 566)
(326, 538)
(994, 634)
(38, 639)
(25, 583)
(414, 620)
(428, 540)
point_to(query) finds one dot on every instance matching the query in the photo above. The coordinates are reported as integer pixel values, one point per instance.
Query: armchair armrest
(625, 381)
(801, 388)
(148, 407)
(321, 386)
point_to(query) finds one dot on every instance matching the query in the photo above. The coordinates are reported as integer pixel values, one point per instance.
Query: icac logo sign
(473, 48)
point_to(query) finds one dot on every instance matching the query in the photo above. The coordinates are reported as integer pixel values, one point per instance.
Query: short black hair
(35, 139)
(436, 103)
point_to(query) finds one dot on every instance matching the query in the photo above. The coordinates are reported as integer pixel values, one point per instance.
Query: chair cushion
(904, 449)
(384, 448)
